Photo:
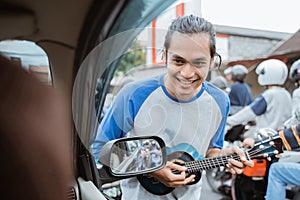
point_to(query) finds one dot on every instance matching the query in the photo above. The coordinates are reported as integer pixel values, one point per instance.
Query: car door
(84, 42)
(105, 38)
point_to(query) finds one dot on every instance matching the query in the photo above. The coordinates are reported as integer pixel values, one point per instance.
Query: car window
(133, 64)
(100, 65)
(29, 56)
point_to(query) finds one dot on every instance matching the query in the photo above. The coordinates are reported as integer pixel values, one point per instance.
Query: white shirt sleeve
(242, 117)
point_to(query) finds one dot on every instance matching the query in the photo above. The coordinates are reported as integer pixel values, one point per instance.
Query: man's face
(188, 62)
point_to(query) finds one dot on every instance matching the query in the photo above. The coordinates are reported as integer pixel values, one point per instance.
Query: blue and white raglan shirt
(145, 108)
(270, 109)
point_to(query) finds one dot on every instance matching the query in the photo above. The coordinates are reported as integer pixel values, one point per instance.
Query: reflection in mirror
(135, 156)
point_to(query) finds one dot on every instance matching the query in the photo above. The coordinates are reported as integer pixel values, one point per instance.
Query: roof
(291, 45)
(250, 46)
(257, 33)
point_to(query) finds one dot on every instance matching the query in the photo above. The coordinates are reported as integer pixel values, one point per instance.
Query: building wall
(243, 48)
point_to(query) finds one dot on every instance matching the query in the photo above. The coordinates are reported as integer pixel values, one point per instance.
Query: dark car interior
(84, 42)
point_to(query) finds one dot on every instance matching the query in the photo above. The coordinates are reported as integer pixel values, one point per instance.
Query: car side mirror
(132, 156)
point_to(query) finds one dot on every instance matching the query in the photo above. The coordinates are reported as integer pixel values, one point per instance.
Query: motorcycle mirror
(133, 156)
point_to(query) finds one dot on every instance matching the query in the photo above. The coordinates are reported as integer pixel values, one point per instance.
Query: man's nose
(188, 70)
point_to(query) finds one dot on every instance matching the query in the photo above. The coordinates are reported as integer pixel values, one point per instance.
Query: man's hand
(234, 166)
(248, 143)
(169, 179)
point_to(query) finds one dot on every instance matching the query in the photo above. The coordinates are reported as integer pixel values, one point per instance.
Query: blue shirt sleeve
(116, 123)
(223, 102)
(119, 119)
(259, 105)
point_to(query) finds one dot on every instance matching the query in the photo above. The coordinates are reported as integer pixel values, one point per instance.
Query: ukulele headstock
(267, 148)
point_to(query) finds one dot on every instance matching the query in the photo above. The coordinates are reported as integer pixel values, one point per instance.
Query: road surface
(209, 194)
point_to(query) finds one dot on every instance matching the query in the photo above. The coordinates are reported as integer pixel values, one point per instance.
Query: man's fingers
(249, 163)
(235, 163)
(243, 158)
(174, 166)
(177, 184)
(189, 179)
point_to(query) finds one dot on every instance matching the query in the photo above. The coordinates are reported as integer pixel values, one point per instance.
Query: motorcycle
(221, 180)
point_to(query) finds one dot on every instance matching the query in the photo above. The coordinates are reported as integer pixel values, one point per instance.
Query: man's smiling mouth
(186, 82)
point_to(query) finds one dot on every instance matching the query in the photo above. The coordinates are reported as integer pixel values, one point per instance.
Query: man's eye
(199, 64)
(178, 61)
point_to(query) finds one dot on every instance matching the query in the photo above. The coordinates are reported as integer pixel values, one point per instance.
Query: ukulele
(185, 154)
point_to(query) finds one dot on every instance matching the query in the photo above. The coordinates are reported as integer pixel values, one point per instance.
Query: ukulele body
(179, 155)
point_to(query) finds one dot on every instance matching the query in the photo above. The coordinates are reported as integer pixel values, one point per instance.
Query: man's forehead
(196, 43)
(178, 55)
(189, 37)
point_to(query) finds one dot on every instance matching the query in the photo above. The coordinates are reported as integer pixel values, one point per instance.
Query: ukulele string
(258, 150)
(209, 163)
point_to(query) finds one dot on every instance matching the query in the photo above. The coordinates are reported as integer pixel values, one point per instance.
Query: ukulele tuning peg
(271, 143)
(259, 137)
(270, 135)
(269, 158)
(261, 147)
(276, 152)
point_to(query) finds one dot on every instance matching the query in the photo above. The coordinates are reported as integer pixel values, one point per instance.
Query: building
(247, 47)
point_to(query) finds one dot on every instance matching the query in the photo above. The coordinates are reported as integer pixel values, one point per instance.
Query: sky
(273, 15)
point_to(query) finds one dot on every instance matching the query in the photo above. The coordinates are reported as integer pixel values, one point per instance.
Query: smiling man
(179, 106)
(188, 64)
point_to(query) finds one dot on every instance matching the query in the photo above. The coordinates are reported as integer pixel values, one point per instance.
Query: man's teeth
(186, 82)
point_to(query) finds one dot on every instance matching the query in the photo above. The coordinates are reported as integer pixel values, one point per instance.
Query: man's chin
(185, 95)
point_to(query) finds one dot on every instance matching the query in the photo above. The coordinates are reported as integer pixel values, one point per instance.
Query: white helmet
(295, 71)
(239, 73)
(272, 72)
(228, 70)
(220, 82)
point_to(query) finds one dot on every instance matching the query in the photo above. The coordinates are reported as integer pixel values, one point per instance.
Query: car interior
(84, 42)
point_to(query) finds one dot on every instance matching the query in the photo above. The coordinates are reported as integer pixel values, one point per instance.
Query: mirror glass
(135, 156)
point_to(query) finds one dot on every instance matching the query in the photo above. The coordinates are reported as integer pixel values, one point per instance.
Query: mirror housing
(126, 157)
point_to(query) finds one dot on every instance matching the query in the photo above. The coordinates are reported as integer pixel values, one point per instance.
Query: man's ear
(212, 63)
(164, 56)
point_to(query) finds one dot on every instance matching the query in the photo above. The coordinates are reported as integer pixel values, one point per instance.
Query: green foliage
(134, 57)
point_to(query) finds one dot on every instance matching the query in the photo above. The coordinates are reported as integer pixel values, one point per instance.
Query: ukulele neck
(210, 163)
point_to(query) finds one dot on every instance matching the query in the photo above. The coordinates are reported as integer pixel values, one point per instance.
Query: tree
(134, 57)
